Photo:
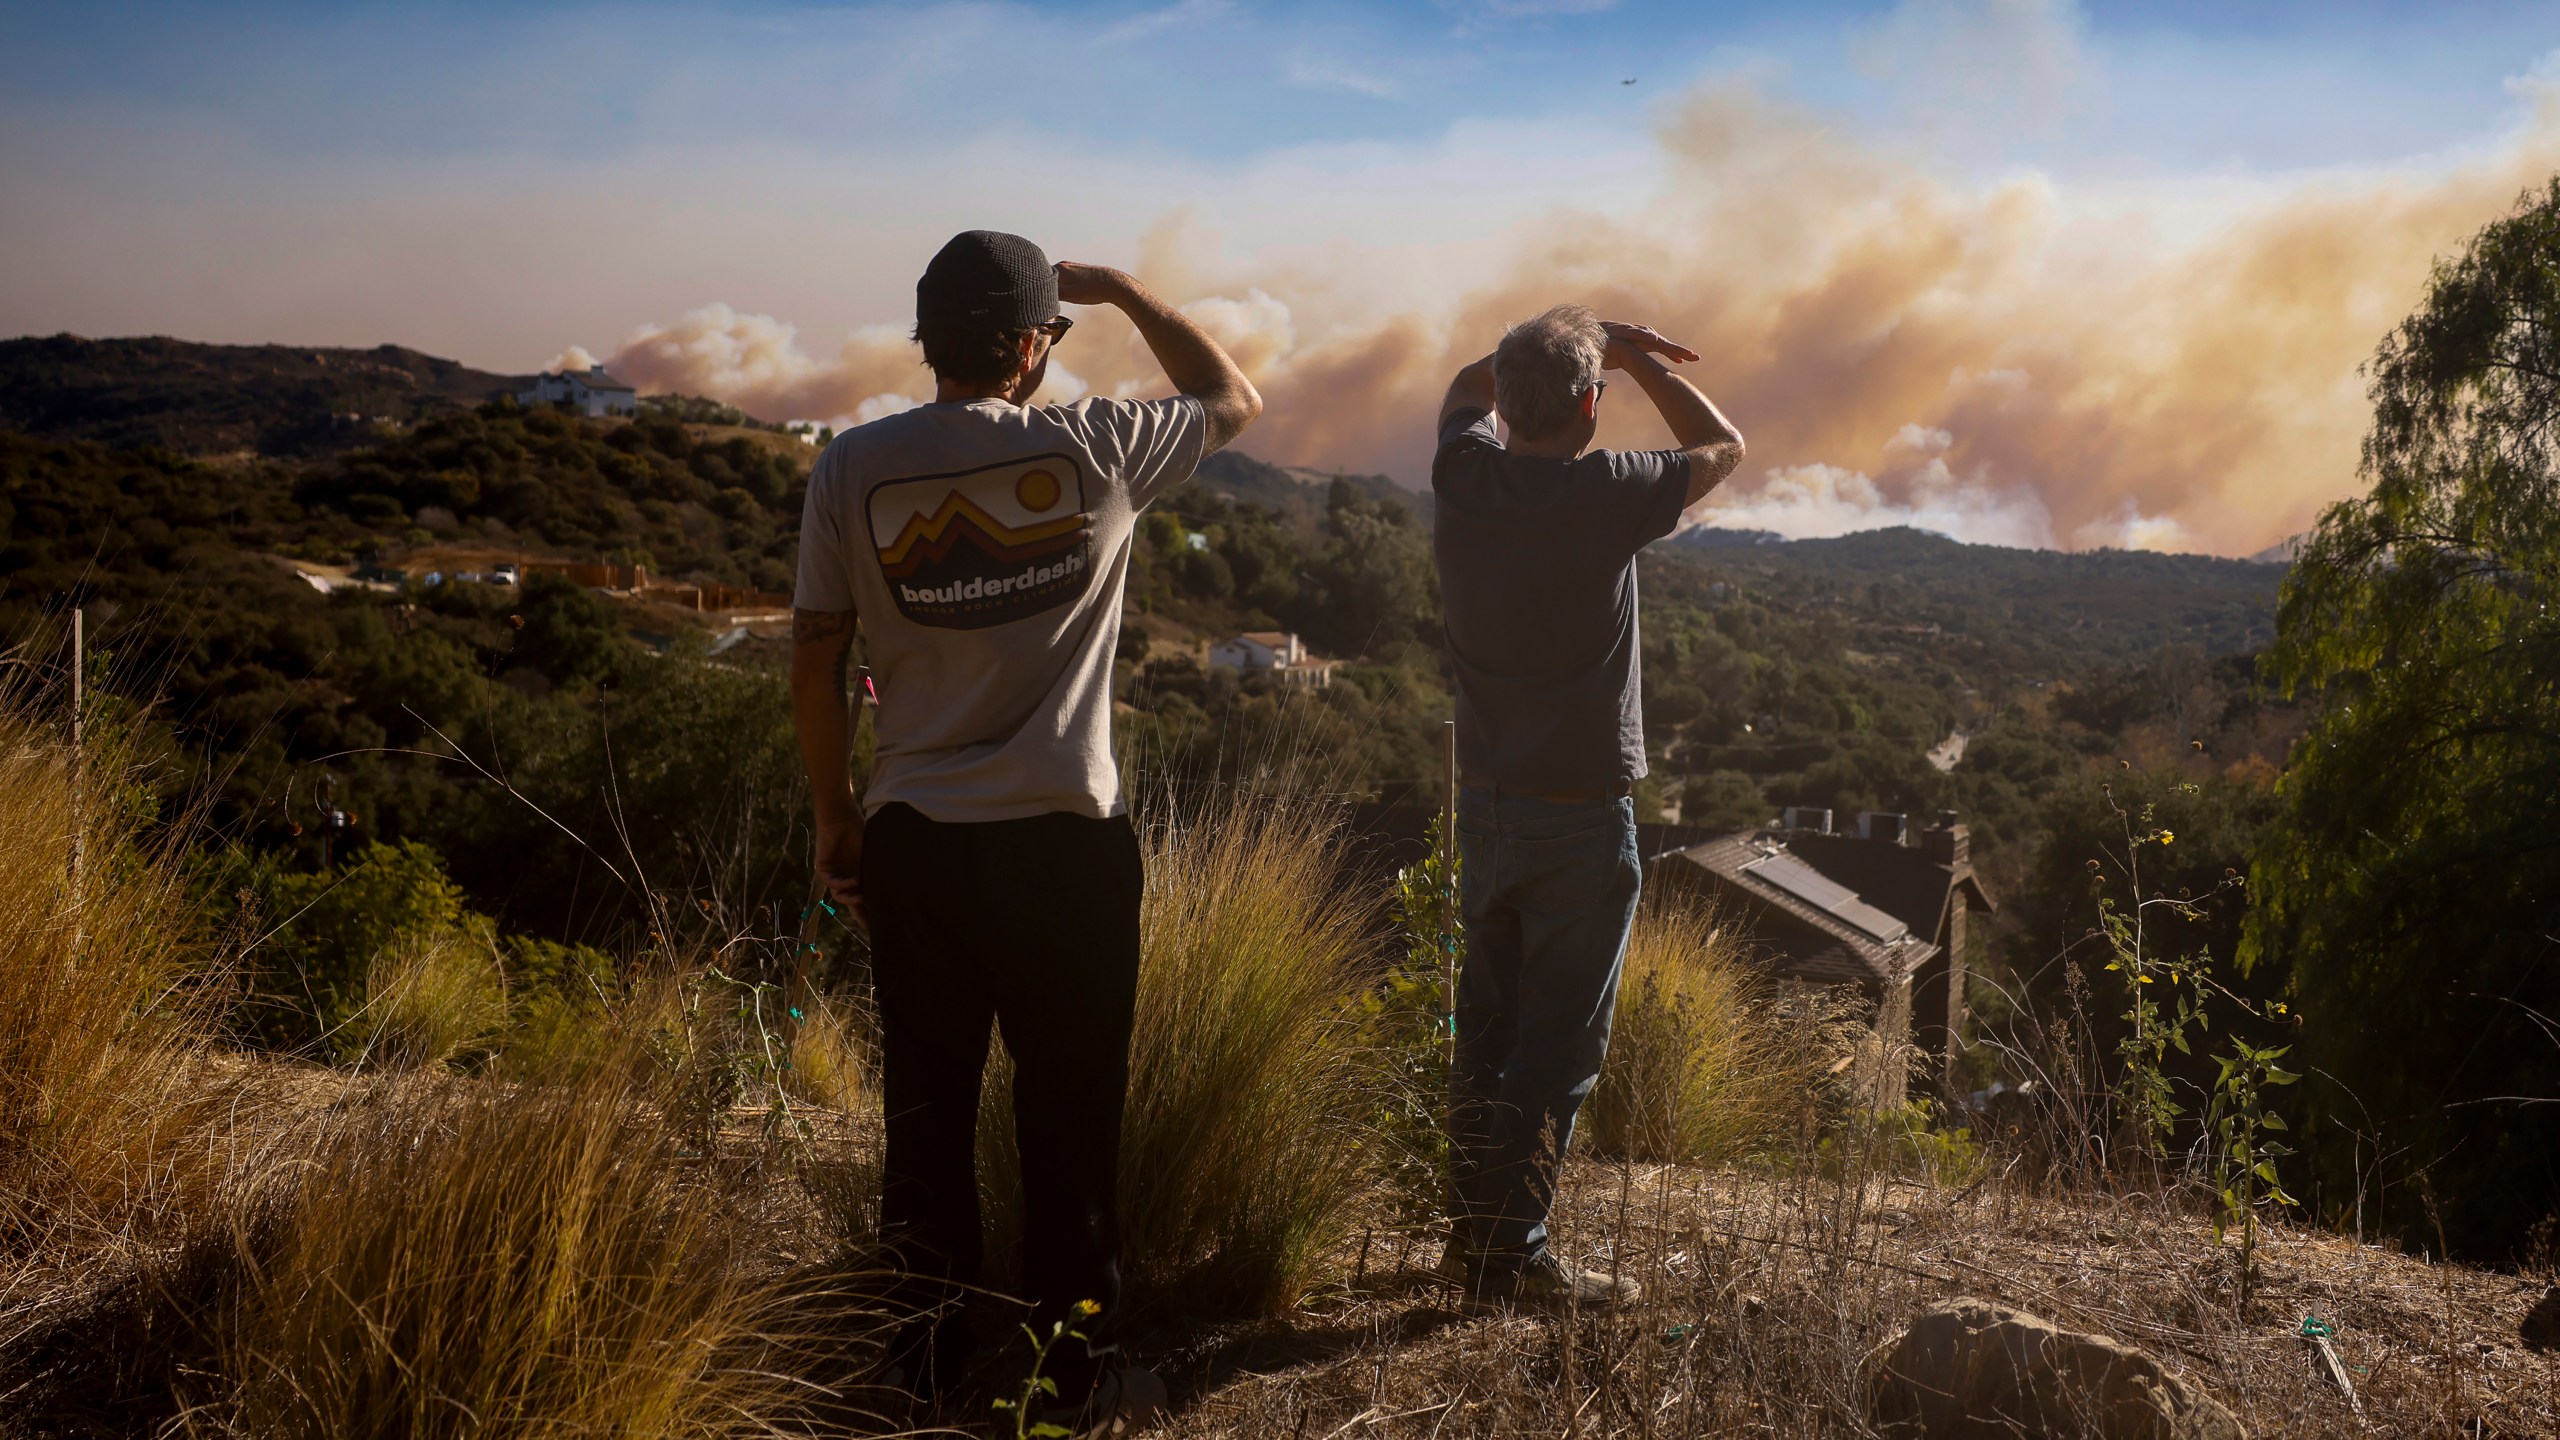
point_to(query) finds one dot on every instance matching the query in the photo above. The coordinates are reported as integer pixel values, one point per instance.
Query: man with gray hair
(1536, 542)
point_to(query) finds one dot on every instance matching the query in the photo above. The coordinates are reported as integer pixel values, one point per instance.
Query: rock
(1973, 1370)
(2541, 1327)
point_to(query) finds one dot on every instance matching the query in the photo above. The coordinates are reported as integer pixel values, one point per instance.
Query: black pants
(1032, 925)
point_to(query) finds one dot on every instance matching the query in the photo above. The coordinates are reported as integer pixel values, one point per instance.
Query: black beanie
(988, 278)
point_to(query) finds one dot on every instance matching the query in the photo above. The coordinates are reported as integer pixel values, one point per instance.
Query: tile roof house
(1871, 911)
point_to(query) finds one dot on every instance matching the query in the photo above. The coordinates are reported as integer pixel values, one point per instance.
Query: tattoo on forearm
(816, 627)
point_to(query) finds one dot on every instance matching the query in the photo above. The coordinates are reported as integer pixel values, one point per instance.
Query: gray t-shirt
(1538, 590)
(986, 547)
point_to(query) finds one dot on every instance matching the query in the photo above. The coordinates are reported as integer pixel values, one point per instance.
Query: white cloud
(1150, 22)
(1318, 73)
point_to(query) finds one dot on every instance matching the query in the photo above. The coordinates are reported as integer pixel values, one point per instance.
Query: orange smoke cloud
(2020, 363)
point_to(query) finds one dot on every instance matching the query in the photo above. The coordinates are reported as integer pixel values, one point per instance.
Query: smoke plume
(2030, 362)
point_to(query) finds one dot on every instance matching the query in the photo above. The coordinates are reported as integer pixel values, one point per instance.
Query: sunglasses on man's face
(1596, 387)
(1056, 329)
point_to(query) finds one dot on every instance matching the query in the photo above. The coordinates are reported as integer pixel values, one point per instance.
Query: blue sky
(734, 198)
(2176, 84)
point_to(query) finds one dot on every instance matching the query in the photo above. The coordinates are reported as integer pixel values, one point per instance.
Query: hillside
(1820, 673)
(2053, 608)
(1298, 495)
(276, 400)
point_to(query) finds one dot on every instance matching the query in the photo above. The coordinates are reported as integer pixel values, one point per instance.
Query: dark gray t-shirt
(1538, 588)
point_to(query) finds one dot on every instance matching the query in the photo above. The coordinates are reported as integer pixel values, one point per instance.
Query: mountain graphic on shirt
(984, 547)
(933, 537)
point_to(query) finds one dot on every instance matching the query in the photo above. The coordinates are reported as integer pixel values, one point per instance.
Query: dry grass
(430, 998)
(474, 1259)
(244, 1247)
(104, 989)
(1702, 1069)
(833, 1056)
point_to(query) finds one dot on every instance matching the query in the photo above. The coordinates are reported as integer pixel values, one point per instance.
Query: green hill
(2051, 609)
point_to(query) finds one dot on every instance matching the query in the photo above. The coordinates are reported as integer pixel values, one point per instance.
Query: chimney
(1805, 817)
(1885, 825)
(1945, 841)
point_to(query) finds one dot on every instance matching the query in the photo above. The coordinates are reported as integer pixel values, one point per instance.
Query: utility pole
(79, 668)
(1449, 883)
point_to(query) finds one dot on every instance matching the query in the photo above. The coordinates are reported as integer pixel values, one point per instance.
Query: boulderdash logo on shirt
(984, 547)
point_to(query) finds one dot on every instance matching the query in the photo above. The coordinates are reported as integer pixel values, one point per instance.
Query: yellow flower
(2166, 837)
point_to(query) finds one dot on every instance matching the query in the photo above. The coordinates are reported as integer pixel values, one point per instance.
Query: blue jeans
(1548, 891)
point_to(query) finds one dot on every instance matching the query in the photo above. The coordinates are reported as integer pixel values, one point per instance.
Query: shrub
(324, 930)
(1700, 1068)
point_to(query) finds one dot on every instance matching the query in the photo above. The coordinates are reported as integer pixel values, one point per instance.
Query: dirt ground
(1763, 1296)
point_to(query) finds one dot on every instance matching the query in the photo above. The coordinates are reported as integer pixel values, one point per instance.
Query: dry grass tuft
(834, 1056)
(430, 998)
(1701, 1069)
(1241, 1160)
(460, 1258)
(105, 987)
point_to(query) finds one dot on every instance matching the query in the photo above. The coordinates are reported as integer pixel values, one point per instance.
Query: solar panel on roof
(1872, 920)
(1823, 893)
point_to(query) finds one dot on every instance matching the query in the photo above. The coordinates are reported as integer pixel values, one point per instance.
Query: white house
(1258, 650)
(589, 392)
(1275, 653)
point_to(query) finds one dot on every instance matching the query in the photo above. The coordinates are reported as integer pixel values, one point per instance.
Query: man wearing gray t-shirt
(983, 542)
(1536, 541)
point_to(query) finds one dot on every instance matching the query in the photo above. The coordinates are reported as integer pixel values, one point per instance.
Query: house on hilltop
(589, 392)
(1274, 653)
(1884, 912)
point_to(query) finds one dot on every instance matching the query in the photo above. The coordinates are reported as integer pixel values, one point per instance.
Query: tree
(2412, 881)
(1379, 592)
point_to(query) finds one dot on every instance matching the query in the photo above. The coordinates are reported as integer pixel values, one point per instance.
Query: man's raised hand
(1089, 284)
(1626, 342)
(1191, 359)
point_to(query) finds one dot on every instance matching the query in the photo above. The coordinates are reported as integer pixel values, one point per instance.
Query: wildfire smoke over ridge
(2027, 361)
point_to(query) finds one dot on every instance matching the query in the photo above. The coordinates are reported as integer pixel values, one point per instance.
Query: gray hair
(1542, 367)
